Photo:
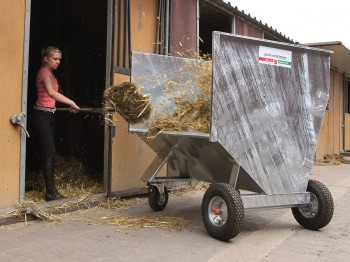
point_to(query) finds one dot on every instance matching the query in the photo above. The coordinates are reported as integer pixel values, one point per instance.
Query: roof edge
(332, 43)
(233, 10)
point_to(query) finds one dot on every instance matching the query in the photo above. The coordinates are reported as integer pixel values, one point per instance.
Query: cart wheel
(319, 212)
(157, 201)
(222, 211)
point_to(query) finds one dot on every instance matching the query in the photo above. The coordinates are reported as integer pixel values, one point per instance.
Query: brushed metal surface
(265, 118)
(268, 117)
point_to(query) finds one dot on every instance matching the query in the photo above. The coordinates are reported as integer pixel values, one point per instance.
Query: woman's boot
(48, 171)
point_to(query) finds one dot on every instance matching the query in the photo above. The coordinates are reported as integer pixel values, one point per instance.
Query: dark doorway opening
(79, 29)
(211, 19)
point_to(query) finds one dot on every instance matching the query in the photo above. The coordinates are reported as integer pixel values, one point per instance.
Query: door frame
(109, 78)
(23, 142)
(109, 129)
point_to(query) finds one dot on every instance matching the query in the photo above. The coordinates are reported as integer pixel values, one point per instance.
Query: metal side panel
(192, 156)
(268, 103)
(157, 73)
(192, 153)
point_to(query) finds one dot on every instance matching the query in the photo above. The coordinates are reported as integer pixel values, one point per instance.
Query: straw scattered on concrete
(42, 212)
(119, 203)
(134, 222)
(56, 213)
(331, 160)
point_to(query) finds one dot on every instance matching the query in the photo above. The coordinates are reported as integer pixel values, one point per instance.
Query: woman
(47, 90)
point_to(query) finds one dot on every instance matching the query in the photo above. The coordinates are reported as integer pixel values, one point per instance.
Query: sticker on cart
(274, 56)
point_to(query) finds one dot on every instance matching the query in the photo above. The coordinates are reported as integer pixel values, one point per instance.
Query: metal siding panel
(118, 40)
(245, 29)
(183, 32)
(239, 27)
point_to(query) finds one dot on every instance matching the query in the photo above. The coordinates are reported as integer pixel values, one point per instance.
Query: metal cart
(267, 105)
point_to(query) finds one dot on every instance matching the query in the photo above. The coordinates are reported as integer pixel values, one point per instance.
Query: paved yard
(267, 235)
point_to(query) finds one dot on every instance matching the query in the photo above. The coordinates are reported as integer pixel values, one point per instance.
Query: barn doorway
(211, 19)
(79, 29)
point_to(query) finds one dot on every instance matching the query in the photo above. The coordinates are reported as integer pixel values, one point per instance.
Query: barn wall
(347, 115)
(183, 31)
(347, 133)
(331, 136)
(131, 156)
(243, 28)
(12, 20)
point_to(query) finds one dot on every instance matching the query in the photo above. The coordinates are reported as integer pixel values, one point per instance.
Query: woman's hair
(47, 51)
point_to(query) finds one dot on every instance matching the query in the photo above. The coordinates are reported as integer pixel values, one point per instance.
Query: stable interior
(79, 29)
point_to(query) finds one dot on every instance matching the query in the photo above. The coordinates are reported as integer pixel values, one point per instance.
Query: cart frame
(259, 152)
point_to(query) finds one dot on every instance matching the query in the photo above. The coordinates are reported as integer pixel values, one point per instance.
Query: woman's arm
(56, 95)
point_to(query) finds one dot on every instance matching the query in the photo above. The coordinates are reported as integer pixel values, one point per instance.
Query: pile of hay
(332, 160)
(192, 107)
(192, 101)
(127, 100)
(72, 180)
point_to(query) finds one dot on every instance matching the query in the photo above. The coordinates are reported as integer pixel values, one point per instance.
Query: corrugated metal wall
(243, 28)
(183, 31)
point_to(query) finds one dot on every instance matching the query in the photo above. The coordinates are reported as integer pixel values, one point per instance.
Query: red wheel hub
(216, 211)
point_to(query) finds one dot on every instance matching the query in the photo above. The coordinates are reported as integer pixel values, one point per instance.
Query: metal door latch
(19, 120)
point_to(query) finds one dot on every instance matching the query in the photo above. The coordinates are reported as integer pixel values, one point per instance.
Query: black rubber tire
(154, 200)
(322, 215)
(235, 211)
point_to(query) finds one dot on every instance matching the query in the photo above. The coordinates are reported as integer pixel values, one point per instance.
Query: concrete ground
(267, 235)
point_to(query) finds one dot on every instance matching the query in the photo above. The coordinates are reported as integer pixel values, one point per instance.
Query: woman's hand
(74, 108)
